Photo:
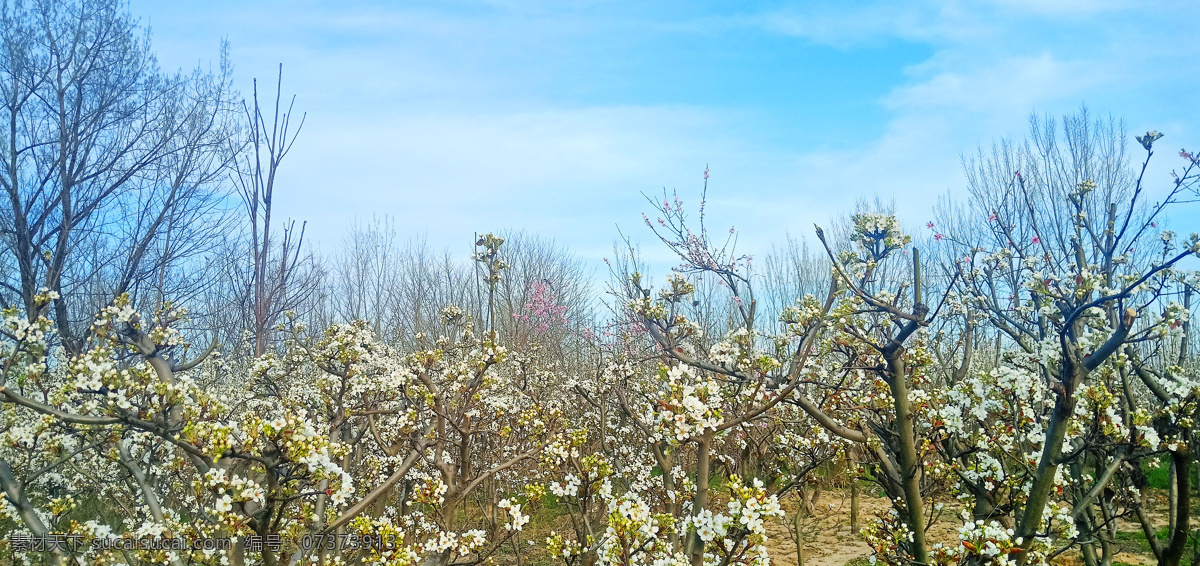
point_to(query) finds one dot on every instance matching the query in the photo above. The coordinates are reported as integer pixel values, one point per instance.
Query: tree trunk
(799, 539)
(696, 548)
(1043, 482)
(1182, 465)
(910, 466)
(854, 506)
(1172, 495)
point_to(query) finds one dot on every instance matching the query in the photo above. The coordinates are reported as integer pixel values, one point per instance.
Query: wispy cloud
(456, 117)
(851, 25)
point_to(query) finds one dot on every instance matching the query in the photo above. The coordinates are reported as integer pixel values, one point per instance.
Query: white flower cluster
(631, 526)
(709, 526)
(22, 330)
(560, 547)
(321, 462)
(990, 541)
(689, 405)
(462, 544)
(514, 510)
(751, 504)
(871, 229)
(738, 350)
(742, 532)
(229, 490)
(570, 489)
(452, 314)
(1062, 517)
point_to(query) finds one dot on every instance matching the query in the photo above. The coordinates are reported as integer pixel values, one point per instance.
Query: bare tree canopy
(112, 168)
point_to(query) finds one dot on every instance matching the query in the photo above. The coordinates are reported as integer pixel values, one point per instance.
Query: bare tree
(110, 166)
(276, 260)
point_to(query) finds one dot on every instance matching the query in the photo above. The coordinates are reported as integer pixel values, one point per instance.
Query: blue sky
(554, 117)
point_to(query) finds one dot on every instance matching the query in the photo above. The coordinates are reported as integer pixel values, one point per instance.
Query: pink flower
(1154, 224)
(1036, 240)
(992, 218)
(937, 236)
(541, 308)
(929, 225)
(705, 172)
(1185, 154)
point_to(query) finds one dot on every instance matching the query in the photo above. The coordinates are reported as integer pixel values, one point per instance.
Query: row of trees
(1045, 429)
(176, 364)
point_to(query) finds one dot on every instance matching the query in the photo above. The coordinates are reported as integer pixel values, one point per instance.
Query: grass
(1140, 538)
(1143, 547)
(1134, 537)
(1160, 477)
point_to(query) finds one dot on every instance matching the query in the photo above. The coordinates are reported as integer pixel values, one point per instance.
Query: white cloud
(1070, 8)
(425, 131)
(1015, 84)
(568, 173)
(850, 25)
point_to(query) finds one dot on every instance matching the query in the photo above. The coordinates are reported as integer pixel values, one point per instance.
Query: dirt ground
(829, 542)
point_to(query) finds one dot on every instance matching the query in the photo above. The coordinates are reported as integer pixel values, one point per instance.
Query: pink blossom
(992, 218)
(542, 309)
(1154, 224)
(706, 173)
(1036, 240)
(929, 225)
(937, 236)
(1185, 154)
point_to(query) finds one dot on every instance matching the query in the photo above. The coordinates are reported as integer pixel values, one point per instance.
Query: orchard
(1014, 381)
